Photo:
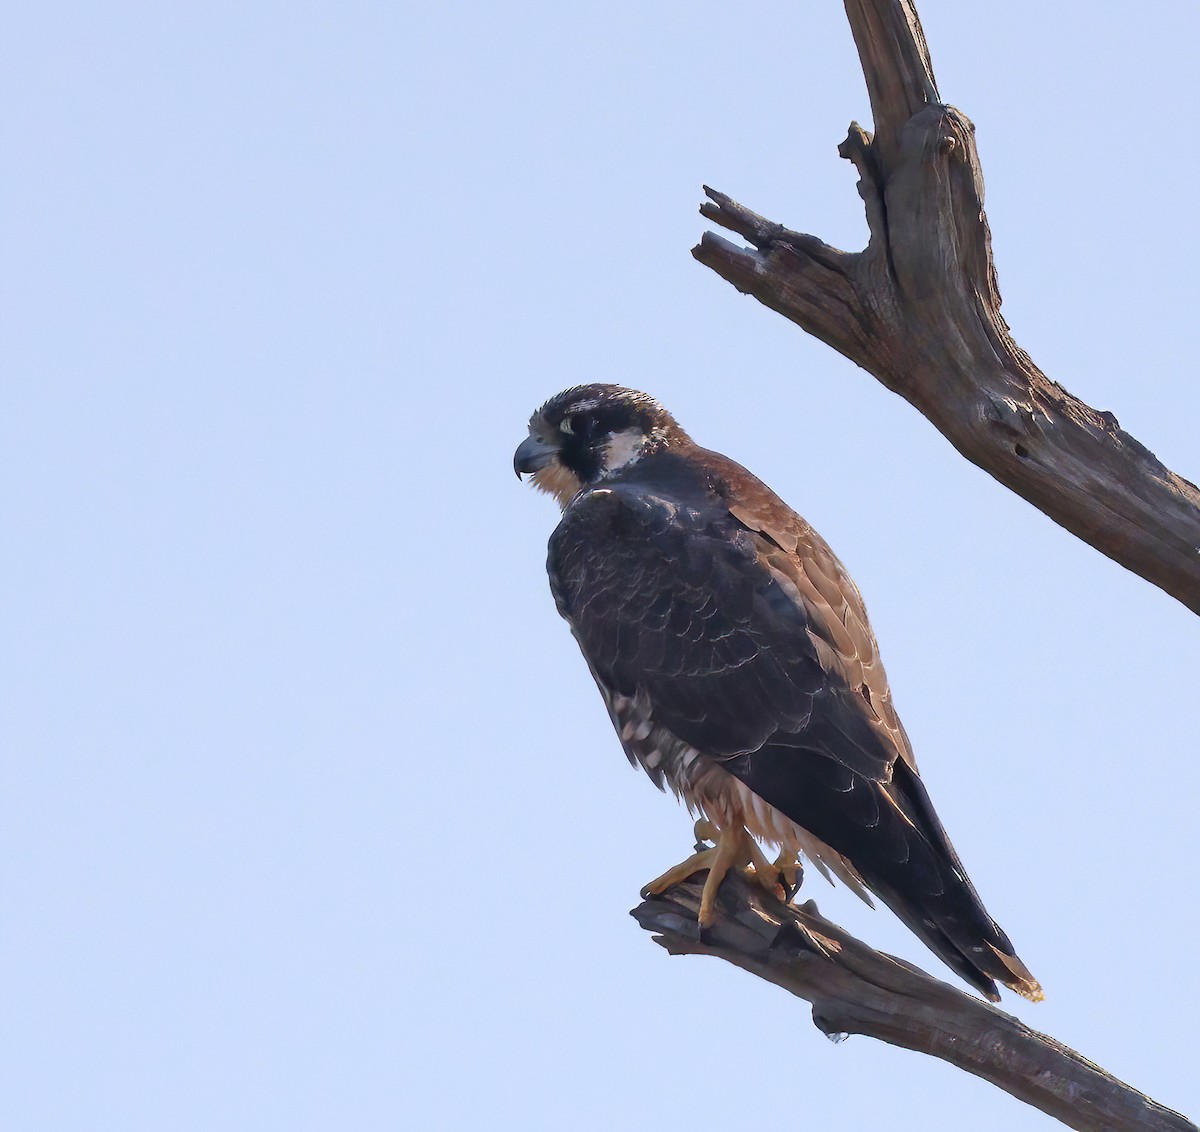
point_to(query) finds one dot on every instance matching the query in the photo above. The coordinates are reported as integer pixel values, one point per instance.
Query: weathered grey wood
(857, 990)
(919, 309)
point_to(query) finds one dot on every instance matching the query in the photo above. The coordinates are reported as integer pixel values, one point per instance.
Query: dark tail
(934, 896)
(890, 833)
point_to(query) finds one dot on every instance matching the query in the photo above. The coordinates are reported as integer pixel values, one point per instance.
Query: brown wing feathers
(697, 590)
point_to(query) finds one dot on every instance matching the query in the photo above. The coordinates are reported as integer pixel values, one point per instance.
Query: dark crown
(608, 408)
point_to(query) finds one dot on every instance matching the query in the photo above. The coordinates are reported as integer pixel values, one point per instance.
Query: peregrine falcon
(735, 657)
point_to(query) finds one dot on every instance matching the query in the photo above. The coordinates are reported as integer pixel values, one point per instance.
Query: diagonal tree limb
(919, 309)
(857, 990)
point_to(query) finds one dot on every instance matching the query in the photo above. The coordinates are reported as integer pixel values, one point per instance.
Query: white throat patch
(623, 448)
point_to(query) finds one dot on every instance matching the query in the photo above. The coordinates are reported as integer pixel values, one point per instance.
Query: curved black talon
(791, 888)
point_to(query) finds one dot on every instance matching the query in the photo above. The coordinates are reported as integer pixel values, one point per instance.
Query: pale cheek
(623, 448)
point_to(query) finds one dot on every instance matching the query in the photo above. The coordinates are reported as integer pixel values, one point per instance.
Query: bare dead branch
(857, 990)
(919, 309)
(905, 85)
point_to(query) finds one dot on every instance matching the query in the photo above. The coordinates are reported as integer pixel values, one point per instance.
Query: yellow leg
(731, 850)
(734, 848)
(765, 874)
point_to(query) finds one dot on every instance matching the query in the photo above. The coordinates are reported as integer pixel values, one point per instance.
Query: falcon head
(587, 433)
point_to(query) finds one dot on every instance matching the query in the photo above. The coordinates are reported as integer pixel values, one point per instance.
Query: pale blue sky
(314, 819)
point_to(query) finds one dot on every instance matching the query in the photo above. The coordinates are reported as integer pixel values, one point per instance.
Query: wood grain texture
(857, 990)
(919, 308)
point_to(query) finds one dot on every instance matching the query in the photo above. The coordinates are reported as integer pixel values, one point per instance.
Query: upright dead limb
(920, 310)
(856, 990)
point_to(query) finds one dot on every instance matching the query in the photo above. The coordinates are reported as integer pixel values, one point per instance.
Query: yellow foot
(703, 858)
(699, 861)
(790, 873)
(734, 848)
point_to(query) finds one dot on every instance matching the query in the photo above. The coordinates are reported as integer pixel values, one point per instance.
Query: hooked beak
(533, 454)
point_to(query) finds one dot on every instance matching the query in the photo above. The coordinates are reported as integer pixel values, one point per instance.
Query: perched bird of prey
(737, 663)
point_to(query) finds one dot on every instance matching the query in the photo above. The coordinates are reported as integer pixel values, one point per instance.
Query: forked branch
(919, 309)
(857, 990)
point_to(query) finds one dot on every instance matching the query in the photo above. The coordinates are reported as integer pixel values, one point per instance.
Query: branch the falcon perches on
(735, 656)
